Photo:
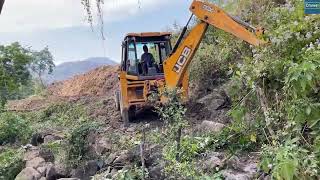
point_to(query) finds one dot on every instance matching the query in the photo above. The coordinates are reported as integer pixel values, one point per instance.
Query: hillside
(69, 69)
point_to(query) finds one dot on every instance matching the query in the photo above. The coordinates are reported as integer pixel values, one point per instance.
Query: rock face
(86, 171)
(36, 162)
(210, 127)
(39, 165)
(28, 174)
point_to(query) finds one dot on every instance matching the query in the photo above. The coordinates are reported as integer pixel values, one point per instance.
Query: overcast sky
(61, 25)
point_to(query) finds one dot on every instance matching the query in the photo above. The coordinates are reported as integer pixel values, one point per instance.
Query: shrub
(14, 128)
(79, 145)
(11, 164)
(289, 161)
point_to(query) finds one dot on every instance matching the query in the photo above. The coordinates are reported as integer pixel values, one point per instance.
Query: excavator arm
(176, 65)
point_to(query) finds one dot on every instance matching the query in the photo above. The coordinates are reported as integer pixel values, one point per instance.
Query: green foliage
(274, 88)
(79, 143)
(11, 163)
(185, 166)
(14, 61)
(14, 128)
(173, 112)
(42, 63)
(289, 161)
(134, 173)
(64, 114)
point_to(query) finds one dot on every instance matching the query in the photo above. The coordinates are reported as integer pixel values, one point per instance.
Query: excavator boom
(176, 65)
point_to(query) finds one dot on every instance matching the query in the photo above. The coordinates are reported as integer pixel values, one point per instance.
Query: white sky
(61, 25)
(31, 15)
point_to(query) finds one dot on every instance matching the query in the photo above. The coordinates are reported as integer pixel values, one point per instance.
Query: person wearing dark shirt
(147, 60)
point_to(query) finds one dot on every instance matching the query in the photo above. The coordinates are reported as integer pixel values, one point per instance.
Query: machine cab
(134, 57)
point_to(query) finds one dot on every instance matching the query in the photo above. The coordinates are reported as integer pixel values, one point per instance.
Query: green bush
(78, 146)
(11, 164)
(289, 161)
(13, 128)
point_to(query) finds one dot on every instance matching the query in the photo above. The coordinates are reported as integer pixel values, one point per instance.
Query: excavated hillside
(94, 91)
(98, 82)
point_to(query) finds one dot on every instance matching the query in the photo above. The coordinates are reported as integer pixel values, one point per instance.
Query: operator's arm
(175, 66)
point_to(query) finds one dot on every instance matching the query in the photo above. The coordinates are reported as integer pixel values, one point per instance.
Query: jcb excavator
(169, 69)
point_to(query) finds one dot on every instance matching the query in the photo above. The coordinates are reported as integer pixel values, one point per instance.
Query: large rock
(61, 169)
(51, 173)
(157, 172)
(210, 127)
(42, 170)
(36, 162)
(102, 146)
(47, 155)
(86, 171)
(31, 154)
(213, 162)
(51, 138)
(128, 157)
(28, 174)
(111, 158)
(212, 101)
(235, 175)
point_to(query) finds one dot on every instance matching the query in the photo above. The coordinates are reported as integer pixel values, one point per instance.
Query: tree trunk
(41, 81)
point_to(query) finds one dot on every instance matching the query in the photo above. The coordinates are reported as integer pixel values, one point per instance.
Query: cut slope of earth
(98, 82)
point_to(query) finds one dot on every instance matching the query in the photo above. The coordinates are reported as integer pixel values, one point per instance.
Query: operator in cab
(147, 60)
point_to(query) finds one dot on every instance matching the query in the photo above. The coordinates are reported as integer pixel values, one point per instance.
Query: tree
(42, 63)
(14, 61)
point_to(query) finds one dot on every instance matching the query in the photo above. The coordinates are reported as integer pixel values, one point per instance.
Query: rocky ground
(113, 147)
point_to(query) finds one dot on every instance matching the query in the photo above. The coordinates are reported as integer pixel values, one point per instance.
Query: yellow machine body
(173, 72)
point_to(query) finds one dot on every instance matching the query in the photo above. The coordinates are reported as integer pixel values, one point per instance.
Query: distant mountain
(69, 69)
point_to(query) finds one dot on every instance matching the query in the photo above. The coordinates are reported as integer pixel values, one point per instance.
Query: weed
(10, 164)
(78, 150)
(13, 128)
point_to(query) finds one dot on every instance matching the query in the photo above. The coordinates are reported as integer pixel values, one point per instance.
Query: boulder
(102, 146)
(36, 162)
(213, 162)
(213, 100)
(156, 172)
(110, 159)
(28, 174)
(31, 154)
(47, 155)
(51, 138)
(61, 170)
(235, 175)
(210, 127)
(86, 171)
(128, 157)
(42, 170)
(51, 173)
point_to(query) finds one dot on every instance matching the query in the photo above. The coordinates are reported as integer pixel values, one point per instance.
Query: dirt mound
(32, 103)
(101, 81)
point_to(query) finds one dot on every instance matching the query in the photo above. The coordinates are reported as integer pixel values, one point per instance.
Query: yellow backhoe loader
(167, 66)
